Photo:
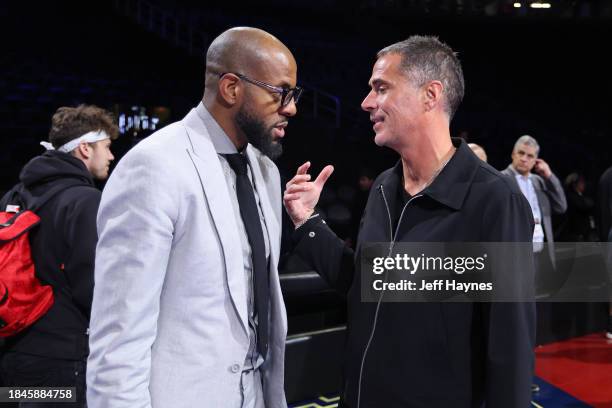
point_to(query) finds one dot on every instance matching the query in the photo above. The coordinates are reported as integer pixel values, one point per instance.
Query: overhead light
(540, 5)
(517, 5)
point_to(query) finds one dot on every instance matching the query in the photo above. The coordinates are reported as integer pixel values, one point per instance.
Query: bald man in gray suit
(178, 318)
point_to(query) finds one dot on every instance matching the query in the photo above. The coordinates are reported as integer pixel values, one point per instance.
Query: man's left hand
(302, 195)
(542, 169)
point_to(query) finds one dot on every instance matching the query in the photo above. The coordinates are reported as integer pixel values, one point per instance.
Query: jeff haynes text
(436, 285)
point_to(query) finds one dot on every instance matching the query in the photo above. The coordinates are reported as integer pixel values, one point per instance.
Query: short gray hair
(529, 141)
(426, 58)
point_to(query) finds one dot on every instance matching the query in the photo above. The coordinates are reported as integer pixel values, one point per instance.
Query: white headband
(91, 137)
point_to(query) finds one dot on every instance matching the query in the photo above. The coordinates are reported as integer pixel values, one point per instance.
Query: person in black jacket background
(604, 201)
(580, 215)
(461, 355)
(53, 351)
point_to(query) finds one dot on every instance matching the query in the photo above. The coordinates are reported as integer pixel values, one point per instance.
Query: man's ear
(83, 151)
(229, 89)
(433, 94)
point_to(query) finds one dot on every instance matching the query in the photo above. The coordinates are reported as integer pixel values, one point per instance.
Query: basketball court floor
(575, 373)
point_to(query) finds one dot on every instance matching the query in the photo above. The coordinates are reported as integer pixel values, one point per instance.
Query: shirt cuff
(303, 229)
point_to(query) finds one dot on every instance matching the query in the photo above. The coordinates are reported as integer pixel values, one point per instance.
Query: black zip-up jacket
(445, 355)
(63, 249)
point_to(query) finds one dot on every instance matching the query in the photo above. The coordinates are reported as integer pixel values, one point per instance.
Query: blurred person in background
(604, 198)
(479, 151)
(580, 217)
(543, 191)
(53, 351)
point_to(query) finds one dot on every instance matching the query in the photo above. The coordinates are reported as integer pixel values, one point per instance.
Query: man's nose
(290, 109)
(368, 103)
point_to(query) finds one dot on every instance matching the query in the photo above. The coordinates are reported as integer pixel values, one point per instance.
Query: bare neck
(424, 158)
(76, 153)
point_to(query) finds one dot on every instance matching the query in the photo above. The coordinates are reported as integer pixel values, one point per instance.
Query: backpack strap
(22, 196)
(18, 224)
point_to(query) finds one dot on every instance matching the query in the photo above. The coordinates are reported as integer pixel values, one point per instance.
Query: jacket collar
(53, 165)
(451, 186)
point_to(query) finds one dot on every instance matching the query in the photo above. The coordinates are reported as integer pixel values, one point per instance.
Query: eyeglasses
(286, 93)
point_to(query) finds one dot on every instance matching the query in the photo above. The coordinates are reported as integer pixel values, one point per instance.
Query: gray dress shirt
(250, 382)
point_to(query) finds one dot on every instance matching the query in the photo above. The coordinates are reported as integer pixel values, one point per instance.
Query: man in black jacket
(53, 351)
(459, 355)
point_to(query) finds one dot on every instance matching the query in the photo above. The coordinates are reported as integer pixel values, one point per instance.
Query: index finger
(324, 175)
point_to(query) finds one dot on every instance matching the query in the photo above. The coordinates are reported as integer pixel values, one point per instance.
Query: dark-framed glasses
(286, 93)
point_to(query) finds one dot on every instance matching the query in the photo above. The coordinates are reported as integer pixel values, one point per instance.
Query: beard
(258, 134)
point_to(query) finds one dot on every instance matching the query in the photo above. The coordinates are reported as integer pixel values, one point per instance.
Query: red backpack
(23, 299)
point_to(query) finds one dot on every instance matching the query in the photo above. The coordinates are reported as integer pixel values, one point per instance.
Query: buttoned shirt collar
(451, 186)
(220, 140)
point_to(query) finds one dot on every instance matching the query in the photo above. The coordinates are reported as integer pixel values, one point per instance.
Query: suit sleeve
(510, 326)
(327, 254)
(81, 235)
(135, 222)
(556, 195)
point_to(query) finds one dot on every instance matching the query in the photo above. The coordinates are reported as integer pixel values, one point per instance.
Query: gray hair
(426, 58)
(529, 141)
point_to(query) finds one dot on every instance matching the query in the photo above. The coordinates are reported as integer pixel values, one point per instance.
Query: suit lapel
(216, 192)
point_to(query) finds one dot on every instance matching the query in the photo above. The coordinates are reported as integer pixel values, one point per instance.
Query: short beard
(257, 134)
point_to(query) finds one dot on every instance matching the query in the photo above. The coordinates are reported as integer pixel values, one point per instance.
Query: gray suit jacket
(169, 318)
(551, 198)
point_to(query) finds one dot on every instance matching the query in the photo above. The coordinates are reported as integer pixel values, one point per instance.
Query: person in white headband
(92, 146)
(62, 248)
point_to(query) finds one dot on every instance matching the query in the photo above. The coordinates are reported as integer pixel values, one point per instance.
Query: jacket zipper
(393, 237)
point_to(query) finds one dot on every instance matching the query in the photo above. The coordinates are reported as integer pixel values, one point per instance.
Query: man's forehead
(526, 148)
(279, 68)
(385, 66)
(103, 142)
